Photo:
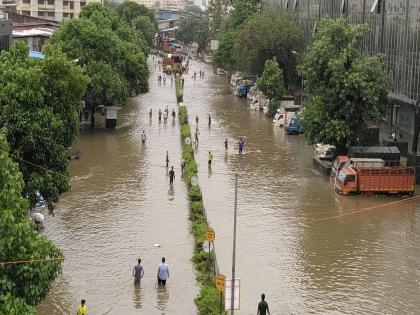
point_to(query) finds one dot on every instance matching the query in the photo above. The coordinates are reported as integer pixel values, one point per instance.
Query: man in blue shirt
(163, 272)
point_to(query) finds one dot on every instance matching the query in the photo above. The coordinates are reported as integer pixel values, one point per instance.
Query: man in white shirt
(163, 272)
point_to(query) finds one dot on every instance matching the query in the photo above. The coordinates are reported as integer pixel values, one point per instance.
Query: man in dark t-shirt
(263, 306)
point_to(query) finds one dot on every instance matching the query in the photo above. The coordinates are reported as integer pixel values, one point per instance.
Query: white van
(285, 112)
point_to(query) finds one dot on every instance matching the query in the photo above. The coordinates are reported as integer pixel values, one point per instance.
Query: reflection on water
(162, 298)
(137, 296)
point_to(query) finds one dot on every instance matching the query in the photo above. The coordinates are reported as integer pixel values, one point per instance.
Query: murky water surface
(308, 249)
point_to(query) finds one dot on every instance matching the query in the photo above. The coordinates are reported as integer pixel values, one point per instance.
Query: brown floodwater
(308, 249)
(119, 207)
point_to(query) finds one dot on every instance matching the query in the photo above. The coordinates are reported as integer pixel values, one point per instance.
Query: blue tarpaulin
(36, 54)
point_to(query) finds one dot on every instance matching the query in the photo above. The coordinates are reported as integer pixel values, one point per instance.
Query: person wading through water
(171, 175)
(138, 272)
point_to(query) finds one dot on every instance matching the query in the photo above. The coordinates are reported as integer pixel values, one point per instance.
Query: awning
(36, 54)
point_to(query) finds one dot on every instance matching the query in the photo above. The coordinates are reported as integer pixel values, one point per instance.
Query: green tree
(40, 102)
(101, 37)
(129, 10)
(242, 11)
(271, 84)
(346, 88)
(21, 285)
(145, 26)
(269, 34)
(202, 34)
(216, 14)
(223, 57)
(186, 31)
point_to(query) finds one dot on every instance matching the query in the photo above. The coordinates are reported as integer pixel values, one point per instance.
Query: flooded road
(308, 249)
(120, 206)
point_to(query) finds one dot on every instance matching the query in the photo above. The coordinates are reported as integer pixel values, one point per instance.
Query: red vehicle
(175, 61)
(386, 180)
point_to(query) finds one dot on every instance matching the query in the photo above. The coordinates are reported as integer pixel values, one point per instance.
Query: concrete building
(57, 10)
(148, 3)
(395, 32)
(174, 5)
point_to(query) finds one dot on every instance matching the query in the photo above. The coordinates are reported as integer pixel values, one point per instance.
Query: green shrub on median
(208, 300)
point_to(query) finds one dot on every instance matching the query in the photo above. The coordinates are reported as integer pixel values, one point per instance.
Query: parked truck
(243, 88)
(344, 161)
(293, 126)
(385, 180)
(391, 155)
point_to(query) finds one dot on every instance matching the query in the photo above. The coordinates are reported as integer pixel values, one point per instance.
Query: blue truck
(243, 87)
(293, 126)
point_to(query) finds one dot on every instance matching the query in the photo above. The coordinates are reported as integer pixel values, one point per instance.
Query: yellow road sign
(210, 235)
(220, 282)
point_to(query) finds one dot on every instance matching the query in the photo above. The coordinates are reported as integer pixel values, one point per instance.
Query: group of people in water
(165, 114)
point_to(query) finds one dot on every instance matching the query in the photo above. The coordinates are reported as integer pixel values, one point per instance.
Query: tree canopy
(40, 102)
(24, 285)
(346, 88)
(109, 49)
(229, 29)
(145, 26)
(194, 30)
(268, 34)
(186, 31)
(271, 84)
(130, 10)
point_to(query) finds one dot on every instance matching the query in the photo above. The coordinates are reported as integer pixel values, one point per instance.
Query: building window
(51, 14)
(41, 13)
(65, 3)
(65, 15)
(72, 5)
(82, 4)
(376, 7)
(343, 6)
(40, 1)
(26, 12)
(71, 15)
(51, 2)
(4, 42)
(26, 1)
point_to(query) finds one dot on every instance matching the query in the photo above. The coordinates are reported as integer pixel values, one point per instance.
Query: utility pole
(232, 296)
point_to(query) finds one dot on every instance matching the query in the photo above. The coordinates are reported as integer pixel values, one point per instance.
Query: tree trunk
(92, 117)
(416, 128)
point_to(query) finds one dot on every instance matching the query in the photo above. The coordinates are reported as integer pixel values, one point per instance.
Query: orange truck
(386, 180)
(344, 161)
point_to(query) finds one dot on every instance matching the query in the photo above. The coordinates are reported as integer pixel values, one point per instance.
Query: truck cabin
(285, 112)
(345, 181)
(338, 164)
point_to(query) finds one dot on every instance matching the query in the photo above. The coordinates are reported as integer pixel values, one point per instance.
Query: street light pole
(232, 296)
(301, 93)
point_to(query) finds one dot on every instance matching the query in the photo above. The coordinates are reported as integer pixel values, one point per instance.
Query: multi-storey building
(174, 5)
(57, 10)
(394, 32)
(148, 3)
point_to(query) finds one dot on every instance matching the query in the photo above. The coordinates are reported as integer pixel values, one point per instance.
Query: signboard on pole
(220, 282)
(210, 235)
(228, 293)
